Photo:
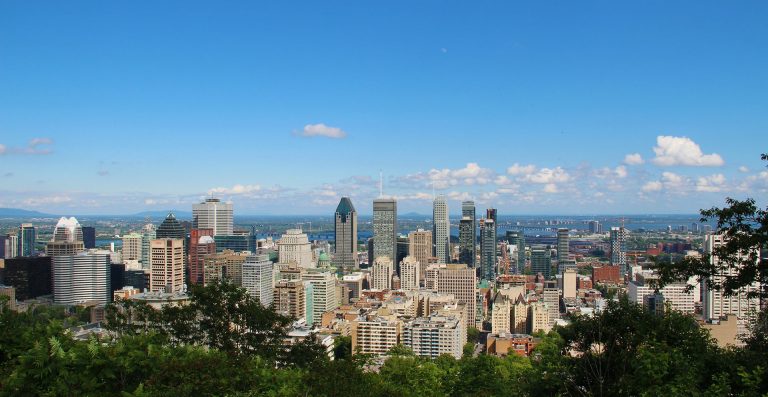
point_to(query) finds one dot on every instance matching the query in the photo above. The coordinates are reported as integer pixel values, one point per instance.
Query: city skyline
(527, 115)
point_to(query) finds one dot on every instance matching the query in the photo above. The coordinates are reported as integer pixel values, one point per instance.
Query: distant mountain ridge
(164, 213)
(19, 213)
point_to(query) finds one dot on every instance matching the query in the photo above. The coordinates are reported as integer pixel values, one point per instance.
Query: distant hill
(19, 213)
(162, 214)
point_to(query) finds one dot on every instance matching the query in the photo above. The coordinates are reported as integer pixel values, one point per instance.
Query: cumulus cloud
(3, 149)
(548, 175)
(35, 146)
(471, 174)
(633, 159)
(673, 150)
(672, 180)
(743, 169)
(711, 183)
(235, 190)
(312, 130)
(618, 172)
(652, 186)
(550, 188)
(517, 169)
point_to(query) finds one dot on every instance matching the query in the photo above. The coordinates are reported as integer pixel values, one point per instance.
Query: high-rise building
(289, 298)
(31, 276)
(132, 247)
(562, 246)
(420, 248)
(4, 248)
(381, 273)
(384, 229)
(469, 249)
(488, 249)
(461, 281)
(492, 213)
(237, 242)
(541, 261)
(171, 228)
(12, 246)
(434, 335)
(467, 241)
(294, 247)
(569, 283)
(201, 243)
(27, 238)
(324, 294)
(402, 248)
(410, 273)
(225, 265)
(89, 237)
(345, 230)
(441, 228)
(619, 249)
(215, 215)
(718, 305)
(595, 227)
(167, 265)
(81, 277)
(258, 278)
(148, 233)
(517, 238)
(67, 238)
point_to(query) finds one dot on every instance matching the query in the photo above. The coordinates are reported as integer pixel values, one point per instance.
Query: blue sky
(282, 107)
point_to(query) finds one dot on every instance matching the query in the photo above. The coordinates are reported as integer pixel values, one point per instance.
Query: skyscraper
(89, 237)
(384, 229)
(67, 238)
(441, 227)
(171, 228)
(323, 293)
(258, 278)
(420, 248)
(461, 281)
(132, 246)
(27, 237)
(148, 233)
(201, 243)
(468, 211)
(31, 276)
(562, 246)
(215, 215)
(541, 261)
(345, 230)
(381, 273)
(289, 298)
(517, 238)
(81, 277)
(619, 249)
(167, 265)
(467, 241)
(294, 247)
(410, 270)
(488, 249)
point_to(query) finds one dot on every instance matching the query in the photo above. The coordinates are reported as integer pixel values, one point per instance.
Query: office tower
(12, 246)
(237, 242)
(518, 239)
(434, 335)
(468, 211)
(167, 265)
(381, 273)
(324, 296)
(619, 249)
(215, 215)
(562, 246)
(402, 248)
(116, 276)
(67, 238)
(488, 249)
(136, 278)
(541, 261)
(354, 284)
(258, 278)
(132, 247)
(569, 283)
(171, 228)
(89, 237)
(4, 247)
(441, 228)
(384, 229)
(148, 233)
(27, 238)
(369, 251)
(410, 273)
(201, 243)
(551, 296)
(467, 241)
(345, 230)
(595, 227)
(420, 248)
(31, 276)
(81, 277)
(461, 281)
(294, 247)
(716, 303)
(492, 213)
(226, 265)
(289, 298)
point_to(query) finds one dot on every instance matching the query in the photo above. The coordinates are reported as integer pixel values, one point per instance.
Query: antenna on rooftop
(381, 184)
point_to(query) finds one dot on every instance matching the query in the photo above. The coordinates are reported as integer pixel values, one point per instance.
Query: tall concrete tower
(441, 228)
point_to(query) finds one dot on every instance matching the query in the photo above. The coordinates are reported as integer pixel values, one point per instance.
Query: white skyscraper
(441, 228)
(381, 273)
(410, 273)
(258, 279)
(213, 214)
(132, 245)
(294, 247)
(82, 277)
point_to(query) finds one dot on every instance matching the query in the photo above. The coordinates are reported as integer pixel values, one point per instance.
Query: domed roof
(205, 240)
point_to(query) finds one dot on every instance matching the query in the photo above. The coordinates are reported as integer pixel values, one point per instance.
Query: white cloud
(550, 188)
(712, 183)
(620, 171)
(549, 175)
(743, 169)
(47, 200)
(517, 169)
(32, 148)
(3, 149)
(40, 141)
(235, 190)
(323, 130)
(653, 186)
(672, 150)
(633, 159)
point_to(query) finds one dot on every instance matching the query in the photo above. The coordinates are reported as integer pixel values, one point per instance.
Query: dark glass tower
(89, 237)
(171, 228)
(345, 230)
